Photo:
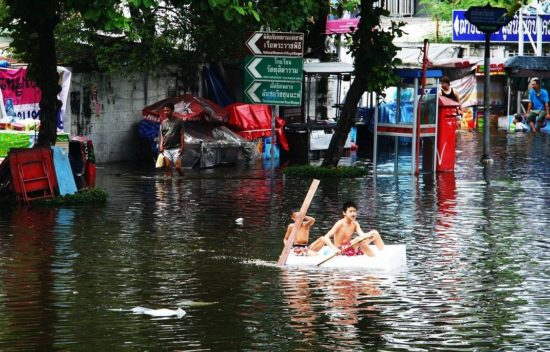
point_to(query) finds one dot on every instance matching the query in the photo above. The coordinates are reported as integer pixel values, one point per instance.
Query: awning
(327, 68)
(411, 56)
(187, 107)
(528, 66)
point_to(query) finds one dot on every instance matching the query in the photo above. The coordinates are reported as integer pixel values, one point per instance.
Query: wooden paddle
(298, 223)
(352, 243)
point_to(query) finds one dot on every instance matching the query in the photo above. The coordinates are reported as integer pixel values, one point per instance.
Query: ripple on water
(476, 278)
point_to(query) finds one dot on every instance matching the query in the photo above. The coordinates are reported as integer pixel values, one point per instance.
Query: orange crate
(32, 171)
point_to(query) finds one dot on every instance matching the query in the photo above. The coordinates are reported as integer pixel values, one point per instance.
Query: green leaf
(92, 14)
(256, 15)
(228, 14)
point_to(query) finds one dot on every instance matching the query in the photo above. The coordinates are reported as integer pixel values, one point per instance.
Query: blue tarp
(388, 113)
(217, 89)
(149, 131)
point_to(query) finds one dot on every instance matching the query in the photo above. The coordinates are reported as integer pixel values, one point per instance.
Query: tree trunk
(48, 82)
(336, 146)
(437, 30)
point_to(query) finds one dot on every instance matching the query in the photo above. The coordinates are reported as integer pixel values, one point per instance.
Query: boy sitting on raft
(345, 228)
(300, 246)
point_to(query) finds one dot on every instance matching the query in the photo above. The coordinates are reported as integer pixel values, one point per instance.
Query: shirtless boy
(344, 228)
(300, 246)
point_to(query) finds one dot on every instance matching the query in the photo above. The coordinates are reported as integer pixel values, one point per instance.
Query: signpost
(275, 80)
(276, 44)
(277, 68)
(274, 93)
(274, 74)
(488, 20)
(513, 32)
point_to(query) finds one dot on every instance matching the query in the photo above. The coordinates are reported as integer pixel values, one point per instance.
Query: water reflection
(446, 202)
(332, 306)
(298, 295)
(477, 254)
(27, 281)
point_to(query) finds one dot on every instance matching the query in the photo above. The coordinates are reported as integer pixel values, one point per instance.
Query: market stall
(467, 79)
(310, 129)
(520, 69)
(208, 141)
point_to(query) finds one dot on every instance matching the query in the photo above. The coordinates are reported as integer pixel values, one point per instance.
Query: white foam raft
(391, 258)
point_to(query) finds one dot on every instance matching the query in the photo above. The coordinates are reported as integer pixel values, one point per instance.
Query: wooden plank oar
(352, 243)
(298, 223)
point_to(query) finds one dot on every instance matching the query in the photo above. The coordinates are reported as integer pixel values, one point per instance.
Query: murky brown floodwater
(477, 279)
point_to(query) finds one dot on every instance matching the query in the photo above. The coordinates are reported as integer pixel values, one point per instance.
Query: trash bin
(297, 137)
(446, 134)
(365, 132)
(82, 160)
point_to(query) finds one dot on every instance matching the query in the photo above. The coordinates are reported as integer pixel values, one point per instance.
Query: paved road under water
(477, 279)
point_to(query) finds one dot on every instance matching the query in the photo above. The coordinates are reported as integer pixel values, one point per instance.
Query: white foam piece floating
(391, 258)
(239, 221)
(163, 312)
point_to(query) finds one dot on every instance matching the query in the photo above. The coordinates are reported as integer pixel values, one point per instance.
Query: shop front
(310, 128)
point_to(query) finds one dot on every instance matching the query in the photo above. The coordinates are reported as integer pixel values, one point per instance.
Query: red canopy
(187, 107)
(253, 121)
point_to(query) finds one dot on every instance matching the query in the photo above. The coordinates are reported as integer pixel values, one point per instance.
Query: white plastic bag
(160, 161)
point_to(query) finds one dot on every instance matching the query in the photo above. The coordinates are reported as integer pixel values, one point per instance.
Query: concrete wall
(107, 110)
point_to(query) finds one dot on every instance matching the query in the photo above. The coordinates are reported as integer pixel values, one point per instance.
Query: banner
(344, 24)
(470, 90)
(341, 25)
(20, 97)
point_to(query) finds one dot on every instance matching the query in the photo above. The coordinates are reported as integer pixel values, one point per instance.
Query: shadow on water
(477, 258)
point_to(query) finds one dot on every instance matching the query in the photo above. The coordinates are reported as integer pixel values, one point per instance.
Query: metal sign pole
(416, 130)
(274, 113)
(486, 113)
(488, 20)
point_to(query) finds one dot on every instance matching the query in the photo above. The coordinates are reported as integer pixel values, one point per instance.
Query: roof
(411, 56)
(327, 67)
(528, 66)
(457, 68)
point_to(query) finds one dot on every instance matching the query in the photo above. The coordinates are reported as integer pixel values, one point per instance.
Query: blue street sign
(464, 31)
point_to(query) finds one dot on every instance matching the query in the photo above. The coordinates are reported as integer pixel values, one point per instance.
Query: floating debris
(163, 312)
(190, 303)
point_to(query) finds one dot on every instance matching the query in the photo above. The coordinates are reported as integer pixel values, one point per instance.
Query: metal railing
(400, 7)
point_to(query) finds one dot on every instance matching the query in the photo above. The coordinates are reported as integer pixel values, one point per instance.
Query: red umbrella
(187, 107)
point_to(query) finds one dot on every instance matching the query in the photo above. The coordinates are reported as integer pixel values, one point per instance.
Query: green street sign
(273, 93)
(276, 68)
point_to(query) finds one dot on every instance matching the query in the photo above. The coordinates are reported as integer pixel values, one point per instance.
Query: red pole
(423, 84)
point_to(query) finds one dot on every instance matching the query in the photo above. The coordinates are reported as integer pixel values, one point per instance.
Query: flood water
(477, 249)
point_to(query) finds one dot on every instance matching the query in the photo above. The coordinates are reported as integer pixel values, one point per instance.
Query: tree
(36, 27)
(103, 36)
(374, 54)
(442, 10)
(185, 31)
(31, 25)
